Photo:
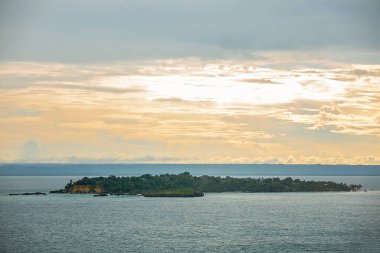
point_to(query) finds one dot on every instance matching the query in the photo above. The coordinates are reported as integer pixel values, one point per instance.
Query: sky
(169, 81)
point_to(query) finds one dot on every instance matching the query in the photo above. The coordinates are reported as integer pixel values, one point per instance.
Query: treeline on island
(186, 184)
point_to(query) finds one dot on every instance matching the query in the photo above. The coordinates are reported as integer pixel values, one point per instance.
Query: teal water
(226, 222)
(219, 222)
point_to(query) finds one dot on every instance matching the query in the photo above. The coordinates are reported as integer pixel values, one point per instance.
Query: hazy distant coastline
(52, 169)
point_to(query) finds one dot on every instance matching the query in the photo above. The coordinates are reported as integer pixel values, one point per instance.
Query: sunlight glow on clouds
(189, 110)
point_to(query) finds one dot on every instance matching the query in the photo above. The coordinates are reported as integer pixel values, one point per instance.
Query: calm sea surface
(223, 222)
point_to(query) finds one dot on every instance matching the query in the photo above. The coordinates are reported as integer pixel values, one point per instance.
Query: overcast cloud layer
(88, 31)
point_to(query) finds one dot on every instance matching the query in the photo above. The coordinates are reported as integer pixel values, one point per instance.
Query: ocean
(218, 222)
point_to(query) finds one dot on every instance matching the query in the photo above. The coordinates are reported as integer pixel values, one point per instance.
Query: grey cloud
(24, 113)
(15, 82)
(53, 30)
(79, 159)
(305, 106)
(354, 74)
(102, 88)
(159, 159)
(122, 121)
(23, 83)
(172, 99)
(115, 159)
(258, 81)
(343, 78)
(30, 150)
(180, 101)
(364, 73)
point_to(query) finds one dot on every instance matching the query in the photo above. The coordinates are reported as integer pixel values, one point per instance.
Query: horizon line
(137, 163)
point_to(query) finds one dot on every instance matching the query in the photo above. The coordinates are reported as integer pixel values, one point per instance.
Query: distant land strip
(186, 185)
(242, 170)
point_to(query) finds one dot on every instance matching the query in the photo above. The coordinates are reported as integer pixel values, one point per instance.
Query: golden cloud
(190, 108)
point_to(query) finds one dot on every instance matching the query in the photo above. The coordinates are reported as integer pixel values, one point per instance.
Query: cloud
(189, 108)
(259, 81)
(172, 99)
(112, 158)
(30, 150)
(335, 117)
(81, 159)
(364, 72)
(155, 159)
(175, 29)
(23, 113)
(100, 88)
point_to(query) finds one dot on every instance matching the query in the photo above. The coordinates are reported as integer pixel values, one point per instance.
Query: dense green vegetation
(184, 181)
(174, 193)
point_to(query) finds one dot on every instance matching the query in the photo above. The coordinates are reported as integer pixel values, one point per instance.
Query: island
(186, 185)
(27, 193)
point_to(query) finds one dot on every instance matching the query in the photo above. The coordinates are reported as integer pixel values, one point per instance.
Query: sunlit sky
(190, 81)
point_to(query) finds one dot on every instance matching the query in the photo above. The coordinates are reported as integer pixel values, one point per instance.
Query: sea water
(223, 222)
(218, 222)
